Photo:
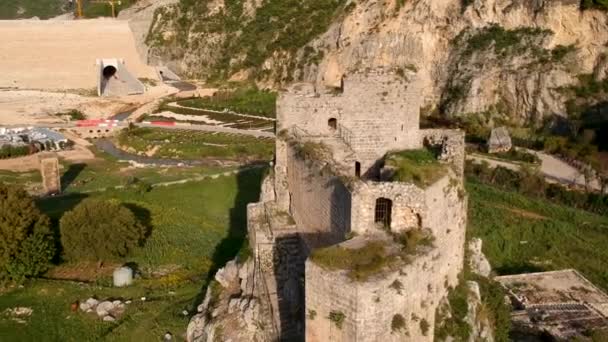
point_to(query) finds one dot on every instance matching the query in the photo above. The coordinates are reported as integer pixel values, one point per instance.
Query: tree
(26, 241)
(100, 230)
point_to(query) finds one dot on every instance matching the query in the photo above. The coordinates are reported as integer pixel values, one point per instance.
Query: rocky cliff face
(507, 58)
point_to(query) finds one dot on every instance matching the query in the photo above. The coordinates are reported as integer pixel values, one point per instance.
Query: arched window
(357, 169)
(332, 123)
(383, 212)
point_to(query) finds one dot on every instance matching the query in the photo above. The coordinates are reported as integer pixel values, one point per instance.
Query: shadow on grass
(518, 268)
(71, 174)
(249, 183)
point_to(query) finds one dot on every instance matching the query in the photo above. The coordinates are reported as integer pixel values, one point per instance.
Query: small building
(500, 140)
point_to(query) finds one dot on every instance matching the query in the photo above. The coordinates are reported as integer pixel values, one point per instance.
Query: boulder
(226, 275)
(500, 140)
(478, 262)
(108, 318)
(104, 308)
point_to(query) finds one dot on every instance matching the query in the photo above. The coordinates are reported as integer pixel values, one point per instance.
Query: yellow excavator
(112, 4)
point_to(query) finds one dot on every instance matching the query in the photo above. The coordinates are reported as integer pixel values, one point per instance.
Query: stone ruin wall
(453, 146)
(369, 306)
(370, 122)
(320, 204)
(324, 209)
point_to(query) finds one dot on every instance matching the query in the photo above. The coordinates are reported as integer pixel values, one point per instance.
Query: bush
(100, 230)
(26, 242)
(9, 151)
(398, 323)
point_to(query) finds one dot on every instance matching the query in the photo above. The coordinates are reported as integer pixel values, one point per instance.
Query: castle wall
(319, 203)
(453, 146)
(370, 306)
(375, 113)
(446, 204)
(407, 206)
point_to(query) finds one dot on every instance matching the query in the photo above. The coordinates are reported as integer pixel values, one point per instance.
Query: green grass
(523, 234)
(188, 221)
(361, 263)
(52, 319)
(197, 145)
(415, 166)
(195, 228)
(244, 100)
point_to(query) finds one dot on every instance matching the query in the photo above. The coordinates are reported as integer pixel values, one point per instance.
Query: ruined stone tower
(49, 170)
(359, 234)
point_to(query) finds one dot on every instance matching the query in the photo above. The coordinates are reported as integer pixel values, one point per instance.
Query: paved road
(554, 169)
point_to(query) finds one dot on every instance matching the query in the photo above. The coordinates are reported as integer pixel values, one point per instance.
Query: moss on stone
(420, 167)
(361, 263)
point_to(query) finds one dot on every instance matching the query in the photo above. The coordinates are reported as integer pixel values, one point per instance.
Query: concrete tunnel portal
(109, 71)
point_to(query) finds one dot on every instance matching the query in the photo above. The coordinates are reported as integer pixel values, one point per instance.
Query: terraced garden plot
(184, 144)
(175, 112)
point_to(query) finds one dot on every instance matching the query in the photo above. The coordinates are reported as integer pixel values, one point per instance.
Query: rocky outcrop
(477, 260)
(466, 66)
(231, 310)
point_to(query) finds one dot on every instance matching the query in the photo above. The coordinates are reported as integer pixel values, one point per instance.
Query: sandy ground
(56, 54)
(27, 107)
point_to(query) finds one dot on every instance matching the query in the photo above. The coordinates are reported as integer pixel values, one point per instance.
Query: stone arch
(383, 212)
(332, 123)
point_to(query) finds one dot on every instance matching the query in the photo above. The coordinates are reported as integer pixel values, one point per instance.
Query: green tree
(100, 230)
(26, 241)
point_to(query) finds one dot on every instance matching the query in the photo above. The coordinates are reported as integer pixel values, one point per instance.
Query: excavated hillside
(514, 59)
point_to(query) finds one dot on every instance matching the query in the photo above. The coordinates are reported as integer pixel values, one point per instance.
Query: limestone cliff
(508, 57)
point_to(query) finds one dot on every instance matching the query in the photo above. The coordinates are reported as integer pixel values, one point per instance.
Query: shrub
(424, 327)
(337, 317)
(398, 323)
(99, 230)
(26, 242)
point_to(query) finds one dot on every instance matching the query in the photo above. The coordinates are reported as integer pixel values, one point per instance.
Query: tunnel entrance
(109, 71)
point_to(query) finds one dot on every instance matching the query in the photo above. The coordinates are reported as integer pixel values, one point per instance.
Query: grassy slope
(198, 226)
(197, 145)
(522, 234)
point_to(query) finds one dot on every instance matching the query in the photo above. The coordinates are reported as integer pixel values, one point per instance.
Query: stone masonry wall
(375, 112)
(408, 204)
(453, 146)
(319, 203)
(369, 306)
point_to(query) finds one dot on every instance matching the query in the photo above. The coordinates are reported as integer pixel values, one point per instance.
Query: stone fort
(330, 190)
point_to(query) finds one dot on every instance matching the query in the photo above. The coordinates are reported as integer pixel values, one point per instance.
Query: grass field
(250, 101)
(194, 113)
(522, 234)
(197, 145)
(195, 228)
